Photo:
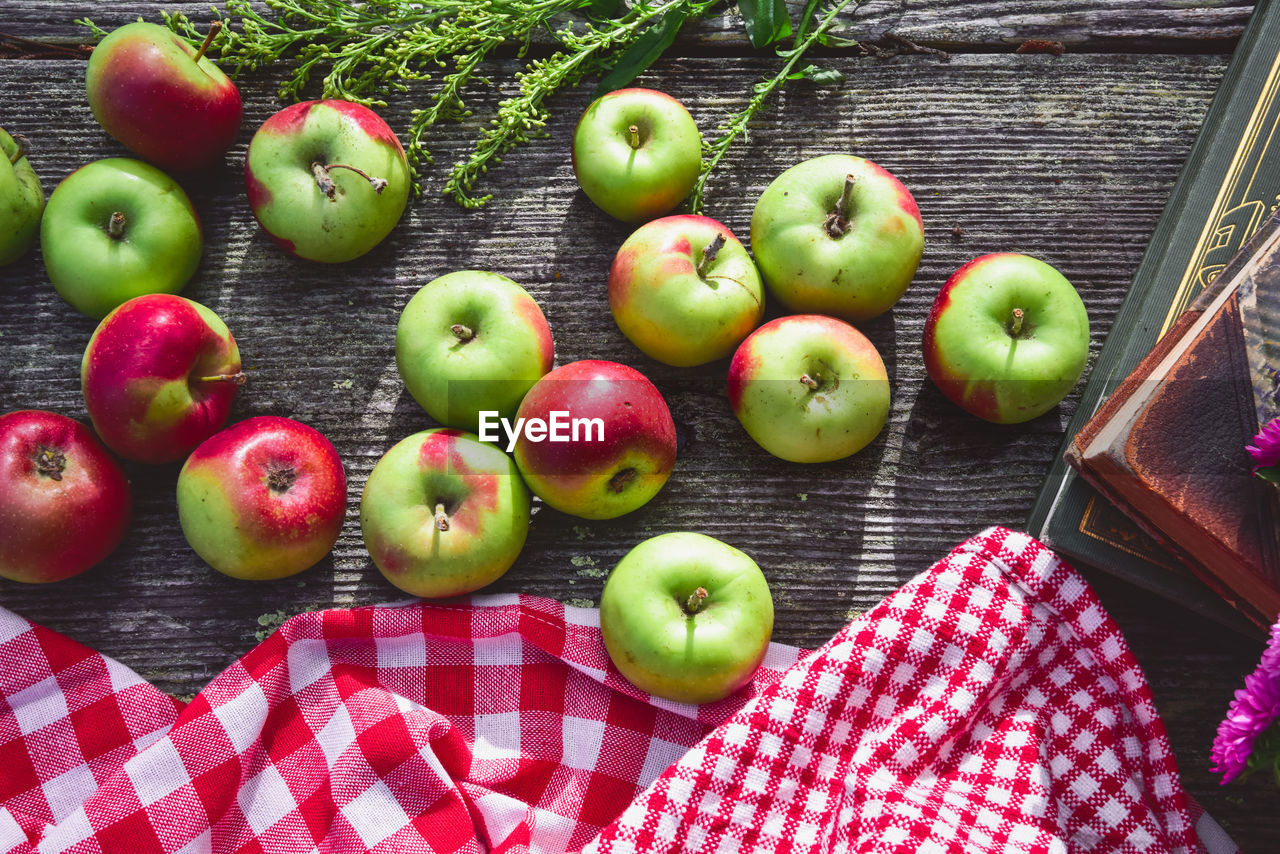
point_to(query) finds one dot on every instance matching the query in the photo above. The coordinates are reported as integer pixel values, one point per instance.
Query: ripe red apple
(65, 503)
(594, 439)
(262, 499)
(159, 377)
(162, 98)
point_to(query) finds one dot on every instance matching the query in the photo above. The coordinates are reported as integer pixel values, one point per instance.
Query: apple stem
(115, 226)
(809, 382)
(24, 145)
(237, 378)
(214, 29)
(50, 462)
(696, 598)
(634, 132)
(709, 254)
(279, 480)
(1015, 323)
(325, 181)
(838, 220)
(442, 518)
(464, 333)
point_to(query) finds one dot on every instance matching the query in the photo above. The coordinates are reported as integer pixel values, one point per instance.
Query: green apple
(809, 388)
(837, 235)
(328, 180)
(21, 199)
(470, 342)
(686, 617)
(116, 229)
(444, 514)
(1007, 338)
(684, 290)
(637, 153)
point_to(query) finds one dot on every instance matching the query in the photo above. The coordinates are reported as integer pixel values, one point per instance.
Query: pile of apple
(836, 240)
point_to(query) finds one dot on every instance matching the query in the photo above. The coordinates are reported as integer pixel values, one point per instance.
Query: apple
(594, 439)
(21, 199)
(327, 180)
(684, 290)
(809, 388)
(1007, 338)
(686, 617)
(837, 235)
(159, 376)
(163, 99)
(65, 503)
(263, 499)
(469, 342)
(637, 153)
(116, 229)
(444, 514)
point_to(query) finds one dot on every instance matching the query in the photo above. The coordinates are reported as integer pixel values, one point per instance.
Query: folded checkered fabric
(989, 705)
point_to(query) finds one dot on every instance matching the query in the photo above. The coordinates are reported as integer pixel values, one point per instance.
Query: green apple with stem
(472, 341)
(684, 290)
(686, 617)
(1007, 338)
(444, 514)
(637, 153)
(21, 199)
(116, 229)
(837, 235)
(809, 388)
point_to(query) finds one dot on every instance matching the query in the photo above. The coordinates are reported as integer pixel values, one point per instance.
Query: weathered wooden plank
(956, 24)
(1066, 158)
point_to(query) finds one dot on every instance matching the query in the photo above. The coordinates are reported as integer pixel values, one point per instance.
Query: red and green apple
(684, 290)
(263, 499)
(65, 503)
(837, 235)
(686, 617)
(1007, 338)
(809, 388)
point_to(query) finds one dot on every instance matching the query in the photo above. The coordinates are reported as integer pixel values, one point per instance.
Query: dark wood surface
(1069, 158)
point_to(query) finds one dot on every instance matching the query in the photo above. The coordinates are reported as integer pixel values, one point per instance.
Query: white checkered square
(38, 706)
(375, 814)
(264, 799)
(157, 772)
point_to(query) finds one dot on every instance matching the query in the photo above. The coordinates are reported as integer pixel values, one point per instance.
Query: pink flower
(1265, 449)
(1255, 707)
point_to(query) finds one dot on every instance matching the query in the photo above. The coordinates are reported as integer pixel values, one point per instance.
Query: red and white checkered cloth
(989, 705)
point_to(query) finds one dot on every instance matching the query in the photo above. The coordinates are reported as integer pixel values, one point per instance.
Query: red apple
(264, 498)
(65, 503)
(162, 98)
(594, 439)
(159, 377)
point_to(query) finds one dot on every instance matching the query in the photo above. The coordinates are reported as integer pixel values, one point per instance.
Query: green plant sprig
(729, 131)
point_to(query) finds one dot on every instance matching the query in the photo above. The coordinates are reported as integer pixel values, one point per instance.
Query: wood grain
(1067, 158)
(955, 24)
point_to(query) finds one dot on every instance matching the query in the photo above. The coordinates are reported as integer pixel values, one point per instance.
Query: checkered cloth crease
(988, 705)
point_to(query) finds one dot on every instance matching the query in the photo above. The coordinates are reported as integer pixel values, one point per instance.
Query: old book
(1167, 447)
(1226, 190)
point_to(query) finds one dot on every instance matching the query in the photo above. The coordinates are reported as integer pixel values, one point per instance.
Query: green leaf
(604, 8)
(806, 18)
(1271, 474)
(818, 75)
(766, 21)
(647, 47)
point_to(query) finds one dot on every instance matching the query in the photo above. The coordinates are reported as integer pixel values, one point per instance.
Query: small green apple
(837, 235)
(686, 617)
(21, 199)
(637, 153)
(809, 388)
(1007, 338)
(444, 514)
(684, 290)
(469, 342)
(116, 229)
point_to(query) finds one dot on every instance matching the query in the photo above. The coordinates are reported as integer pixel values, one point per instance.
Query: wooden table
(1069, 158)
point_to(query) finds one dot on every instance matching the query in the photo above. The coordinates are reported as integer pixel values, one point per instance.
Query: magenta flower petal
(1254, 708)
(1265, 449)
